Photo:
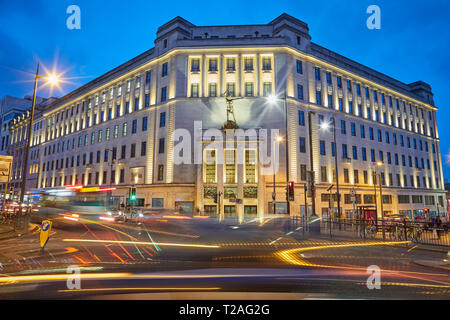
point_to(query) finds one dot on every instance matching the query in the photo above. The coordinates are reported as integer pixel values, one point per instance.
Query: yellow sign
(91, 189)
(46, 227)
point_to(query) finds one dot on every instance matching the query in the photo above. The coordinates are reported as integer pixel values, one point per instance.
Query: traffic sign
(46, 227)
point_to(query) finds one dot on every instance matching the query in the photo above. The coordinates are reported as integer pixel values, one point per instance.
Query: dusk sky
(413, 43)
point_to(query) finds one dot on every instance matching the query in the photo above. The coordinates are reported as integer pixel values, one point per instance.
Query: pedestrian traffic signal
(291, 191)
(133, 194)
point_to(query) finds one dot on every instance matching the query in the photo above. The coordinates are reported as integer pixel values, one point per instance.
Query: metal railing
(414, 231)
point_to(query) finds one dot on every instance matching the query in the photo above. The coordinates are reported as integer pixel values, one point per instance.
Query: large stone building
(117, 129)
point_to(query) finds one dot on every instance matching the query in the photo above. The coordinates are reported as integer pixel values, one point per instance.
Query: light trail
(291, 256)
(143, 289)
(145, 243)
(61, 277)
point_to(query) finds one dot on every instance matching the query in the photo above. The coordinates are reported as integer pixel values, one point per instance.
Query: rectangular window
(123, 153)
(231, 89)
(160, 172)
(302, 145)
(267, 89)
(161, 145)
(195, 65)
(266, 63)
(143, 148)
(133, 150)
(148, 77)
(231, 64)
(322, 148)
(317, 73)
(299, 67)
(344, 151)
(212, 89)
(163, 94)
(300, 92)
(194, 90)
(248, 64)
(301, 118)
(164, 69)
(318, 97)
(249, 89)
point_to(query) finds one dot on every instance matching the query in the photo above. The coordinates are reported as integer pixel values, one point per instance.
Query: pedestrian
(438, 224)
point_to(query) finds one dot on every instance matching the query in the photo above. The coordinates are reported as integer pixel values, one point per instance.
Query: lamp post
(272, 99)
(277, 139)
(379, 164)
(110, 180)
(325, 126)
(52, 79)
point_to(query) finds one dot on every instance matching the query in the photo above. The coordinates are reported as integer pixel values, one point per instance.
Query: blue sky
(413, 43)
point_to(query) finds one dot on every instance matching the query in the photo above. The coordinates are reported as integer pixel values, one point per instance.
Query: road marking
(412, 248)
(275, 240)
(289, 233)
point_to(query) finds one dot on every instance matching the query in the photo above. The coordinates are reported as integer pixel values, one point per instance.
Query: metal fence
(416, 232)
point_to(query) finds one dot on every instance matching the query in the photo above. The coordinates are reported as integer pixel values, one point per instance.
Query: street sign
(238, 201)
(46, 227)
(5, 166)
(352, 192)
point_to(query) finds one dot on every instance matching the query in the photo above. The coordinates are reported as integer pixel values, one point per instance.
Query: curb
(14, 235)
(431, 266)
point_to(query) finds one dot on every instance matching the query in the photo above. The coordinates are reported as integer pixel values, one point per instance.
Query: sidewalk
(8, 232)
(443, 265)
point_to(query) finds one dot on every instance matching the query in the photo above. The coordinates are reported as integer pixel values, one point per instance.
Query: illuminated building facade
(117, 129)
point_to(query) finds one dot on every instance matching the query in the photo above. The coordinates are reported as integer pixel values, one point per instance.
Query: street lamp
(380, 164)
(272, 100)
(324, 126)
(52, 79)
(278, 139)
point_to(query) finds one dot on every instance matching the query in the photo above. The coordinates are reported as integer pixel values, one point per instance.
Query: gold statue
(230, 124)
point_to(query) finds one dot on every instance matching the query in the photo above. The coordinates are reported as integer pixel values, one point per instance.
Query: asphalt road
(196, 258)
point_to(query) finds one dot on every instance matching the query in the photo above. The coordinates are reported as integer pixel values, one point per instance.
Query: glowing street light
(52, 79)
(272, 99)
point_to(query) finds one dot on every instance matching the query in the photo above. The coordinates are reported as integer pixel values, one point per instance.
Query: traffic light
(291, 190)
(215, 198)
(133, 194)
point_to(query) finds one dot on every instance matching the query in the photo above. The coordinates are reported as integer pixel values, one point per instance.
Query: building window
(266, 63)
(317, 73)
(322, 148)
(162, 119)
(160, 172)
(230, 89)
(299, 67)
(163, 94)
(213, 90)
(231, 64)
(248, 64)
(144, 123)
(143, 148)
(195, 65)
(318, 97)
(301, 118)
(164, 69)
(212, 65)
(249, 89)
(300, 92)
(124, 129)
(161, 145)
(267, 89)
(194, 90)
(302, 145)
(133, 150)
